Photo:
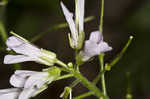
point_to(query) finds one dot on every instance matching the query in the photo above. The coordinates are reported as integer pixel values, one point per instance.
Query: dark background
(122, 18)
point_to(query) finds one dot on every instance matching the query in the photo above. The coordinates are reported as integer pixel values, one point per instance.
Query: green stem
(94, 82)
(56, 27)
(83, 95)
(129, 92)
(102, 72)
(88, 84)
(101, 17)
(101, 60)
(101, 56)
(65, 76)
(74, 83)
(3, 32)
(83, 80)
(121, 53)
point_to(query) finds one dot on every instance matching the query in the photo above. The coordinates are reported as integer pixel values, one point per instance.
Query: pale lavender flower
(11, 93)
(30, 81)
(94, 46)
(75, 28)
(27, 51)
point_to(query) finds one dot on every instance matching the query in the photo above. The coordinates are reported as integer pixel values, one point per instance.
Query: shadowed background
(122, 18)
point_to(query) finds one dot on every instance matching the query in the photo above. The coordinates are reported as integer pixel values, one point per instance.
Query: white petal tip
(6, 59)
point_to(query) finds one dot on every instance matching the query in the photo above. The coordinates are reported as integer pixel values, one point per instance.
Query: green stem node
(88, 84)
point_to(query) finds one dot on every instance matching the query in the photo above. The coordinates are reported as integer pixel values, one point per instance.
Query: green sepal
(50, 61)
(54, 71)
(70, 41)
(80, 40)
(48, 52)
(79, 58)
(50, 57)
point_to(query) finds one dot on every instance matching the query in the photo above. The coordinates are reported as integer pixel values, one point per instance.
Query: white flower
(33, 82)
(11, 93)
(28, 52)
(30, 81)
(79, 26)
(94, 46)
(27, 79)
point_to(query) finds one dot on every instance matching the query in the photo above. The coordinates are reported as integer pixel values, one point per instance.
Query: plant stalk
(101, 60)
(88, 84)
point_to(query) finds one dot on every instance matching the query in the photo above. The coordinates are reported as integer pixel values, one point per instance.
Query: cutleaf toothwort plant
(27, 84)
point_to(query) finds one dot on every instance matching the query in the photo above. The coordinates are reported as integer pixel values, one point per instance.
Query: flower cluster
(28, 83)
(95, 45)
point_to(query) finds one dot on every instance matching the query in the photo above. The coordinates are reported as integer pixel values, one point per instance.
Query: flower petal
(2, 91)
(91, 48)
(17, 81)
(80, 16)
(94, 46)
(37, 80)
(19, 78)
(11, 93)
(69, 19)
(22, 47)
(104, 47)
(25, 73)
(96, 37)
(11, 59)
(27, 93)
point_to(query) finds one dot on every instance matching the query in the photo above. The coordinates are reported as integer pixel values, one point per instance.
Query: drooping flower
(27, 52)
(94, 46)
(30, 81)
(76, 28)
(24, 78)
(11, 93)
(33, 82)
